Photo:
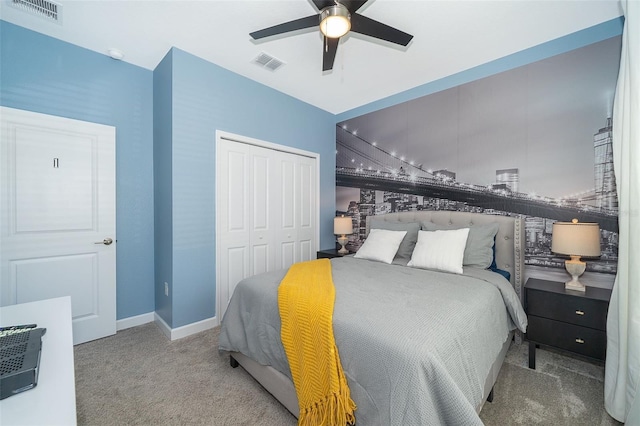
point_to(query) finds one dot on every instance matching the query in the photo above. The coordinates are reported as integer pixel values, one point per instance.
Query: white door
(284, 207)
(307, 209)
(57, 217)
(266, 211)
(234, 206)
(294, 209)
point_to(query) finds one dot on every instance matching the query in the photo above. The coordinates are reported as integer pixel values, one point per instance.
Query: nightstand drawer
(329, 254)
(575, 310)
(581, 340)
(322, 255)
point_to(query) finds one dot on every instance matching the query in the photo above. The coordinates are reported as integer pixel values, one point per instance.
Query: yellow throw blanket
(305, 299)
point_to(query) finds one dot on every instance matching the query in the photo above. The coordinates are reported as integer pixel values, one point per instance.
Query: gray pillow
(403, 255)
(479, 248)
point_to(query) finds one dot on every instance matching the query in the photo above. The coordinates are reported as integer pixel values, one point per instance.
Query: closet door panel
(237, 194)
(306, 208)
(261, 226)
(234, 209)
(287, 183)
(260, 257)
(284, 208)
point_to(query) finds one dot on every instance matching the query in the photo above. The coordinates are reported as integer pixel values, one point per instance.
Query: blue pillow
(493, 267)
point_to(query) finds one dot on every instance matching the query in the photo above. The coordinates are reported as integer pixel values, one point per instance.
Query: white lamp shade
(335, 21)
(576, 238)
(342, 225)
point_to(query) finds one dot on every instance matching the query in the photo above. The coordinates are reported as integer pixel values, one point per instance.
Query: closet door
(262, 192)
(294, 209)
(284, 207)
(233, 208)
(306, 209)
(267, 212)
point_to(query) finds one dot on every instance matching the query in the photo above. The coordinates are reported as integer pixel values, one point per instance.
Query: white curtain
(622, 368)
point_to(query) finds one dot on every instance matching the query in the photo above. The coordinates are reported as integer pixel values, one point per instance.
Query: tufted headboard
(510, 239)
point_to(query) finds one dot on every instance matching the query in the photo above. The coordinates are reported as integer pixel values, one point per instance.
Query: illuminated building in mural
(605, 180)
(445, 175)
(509, 178)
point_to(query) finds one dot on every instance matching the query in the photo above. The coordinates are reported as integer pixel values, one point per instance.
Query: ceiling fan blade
(321, 4)
(367, 26)
(297, 24)
(329, 49)
(353, 5)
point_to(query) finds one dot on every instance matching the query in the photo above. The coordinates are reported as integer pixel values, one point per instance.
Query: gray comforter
(416, 345)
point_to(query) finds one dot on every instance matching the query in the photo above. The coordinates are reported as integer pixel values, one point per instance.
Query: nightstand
(329, 254)
(564, 319)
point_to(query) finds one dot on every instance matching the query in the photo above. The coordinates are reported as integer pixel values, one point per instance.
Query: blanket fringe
(335, 409)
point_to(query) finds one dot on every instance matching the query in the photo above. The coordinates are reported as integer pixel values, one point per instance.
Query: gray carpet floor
(139, 377)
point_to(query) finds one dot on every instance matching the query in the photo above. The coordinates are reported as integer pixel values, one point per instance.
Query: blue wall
(162, 178)
(42, 74)
(206, 98)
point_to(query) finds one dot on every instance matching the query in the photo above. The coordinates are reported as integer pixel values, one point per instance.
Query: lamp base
(575, 285)
(575, 267)
(343, 240)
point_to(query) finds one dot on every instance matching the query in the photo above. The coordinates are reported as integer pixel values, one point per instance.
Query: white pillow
(381, 245)
(442, 250)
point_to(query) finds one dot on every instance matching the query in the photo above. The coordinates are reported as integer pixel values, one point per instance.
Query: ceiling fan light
(335, 21)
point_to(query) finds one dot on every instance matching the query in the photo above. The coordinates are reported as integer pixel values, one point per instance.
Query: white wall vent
(267, 61)
(46, 9)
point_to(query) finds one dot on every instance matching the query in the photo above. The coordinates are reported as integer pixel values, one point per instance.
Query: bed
(418, 346)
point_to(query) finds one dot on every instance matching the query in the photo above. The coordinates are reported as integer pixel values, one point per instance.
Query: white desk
(53, 400)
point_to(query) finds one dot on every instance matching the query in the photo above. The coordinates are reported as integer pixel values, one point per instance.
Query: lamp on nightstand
(342, 226)
(575, 239)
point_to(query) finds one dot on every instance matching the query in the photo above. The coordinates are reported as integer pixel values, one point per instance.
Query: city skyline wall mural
(534, 141)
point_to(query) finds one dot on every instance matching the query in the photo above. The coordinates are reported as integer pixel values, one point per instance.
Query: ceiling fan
(335, 19)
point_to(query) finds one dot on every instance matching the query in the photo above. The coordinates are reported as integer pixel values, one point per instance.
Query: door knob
(106, 241)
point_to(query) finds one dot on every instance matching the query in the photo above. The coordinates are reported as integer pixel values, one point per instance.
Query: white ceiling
(449, 36)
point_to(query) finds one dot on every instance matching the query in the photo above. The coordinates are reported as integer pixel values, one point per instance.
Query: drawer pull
(579, 312)
(578, 340)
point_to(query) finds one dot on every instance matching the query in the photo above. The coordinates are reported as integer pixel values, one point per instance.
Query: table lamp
(575, 239)
(342, 226)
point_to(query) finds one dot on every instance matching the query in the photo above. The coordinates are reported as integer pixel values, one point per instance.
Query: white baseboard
(185, 330)
(134, 321)
(166, 330)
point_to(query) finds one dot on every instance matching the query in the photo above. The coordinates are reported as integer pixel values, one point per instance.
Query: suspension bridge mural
(535, 141)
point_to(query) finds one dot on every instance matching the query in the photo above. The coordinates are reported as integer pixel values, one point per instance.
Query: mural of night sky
(534, 141)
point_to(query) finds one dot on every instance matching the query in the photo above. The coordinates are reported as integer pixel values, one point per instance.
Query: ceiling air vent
(43, 8)
(267, 61)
